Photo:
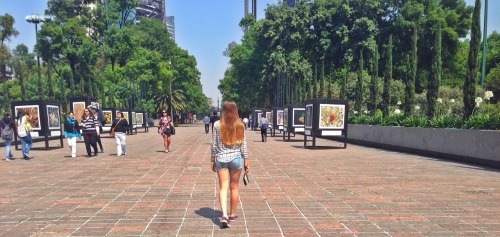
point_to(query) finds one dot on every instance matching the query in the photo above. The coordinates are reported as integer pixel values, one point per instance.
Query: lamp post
(35, 18)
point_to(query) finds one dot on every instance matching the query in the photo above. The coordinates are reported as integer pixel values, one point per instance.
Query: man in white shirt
(206, 120)
(245, 122)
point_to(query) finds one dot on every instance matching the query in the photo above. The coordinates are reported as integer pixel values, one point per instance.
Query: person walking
(229, 155)
(206, 120)
(100, 124)
(245, 122)
(120, 126)
(23, 132)
(165, 122)
(90, 131)
(250, 121)
(7, 126)
(71, 132)
(213, 119)
(264, 124)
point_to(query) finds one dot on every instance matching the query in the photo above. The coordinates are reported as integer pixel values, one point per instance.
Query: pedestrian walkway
(293, 191)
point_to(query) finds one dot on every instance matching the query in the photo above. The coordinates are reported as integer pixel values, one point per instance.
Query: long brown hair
(231, 127)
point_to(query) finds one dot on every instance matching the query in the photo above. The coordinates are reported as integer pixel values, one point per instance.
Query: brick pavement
(294, 191)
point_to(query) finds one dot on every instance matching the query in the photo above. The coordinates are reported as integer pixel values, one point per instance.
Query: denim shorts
(235, 164)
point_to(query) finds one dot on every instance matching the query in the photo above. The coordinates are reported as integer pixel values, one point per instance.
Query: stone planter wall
(469, 145)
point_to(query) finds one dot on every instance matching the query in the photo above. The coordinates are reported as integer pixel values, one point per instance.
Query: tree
(386, 97)
(7, 29)
(435, 77)
(472, 65)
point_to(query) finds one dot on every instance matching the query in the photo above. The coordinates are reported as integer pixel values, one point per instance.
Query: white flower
(397, 111)
(479, 100)
(449, 111)
(366, 111)
(417, 107)
(488, 95)
(355, 112)
(440, 100)
(477, 105)
(399, 102)
(452, 101)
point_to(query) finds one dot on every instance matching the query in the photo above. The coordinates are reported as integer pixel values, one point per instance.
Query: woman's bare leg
(235, 179)
(223, 186)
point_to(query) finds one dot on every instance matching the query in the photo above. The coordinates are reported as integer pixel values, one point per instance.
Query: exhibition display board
(293, 120)
(277, 120)
(45, 120)
(325, 118)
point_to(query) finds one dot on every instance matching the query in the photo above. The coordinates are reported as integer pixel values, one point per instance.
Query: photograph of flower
(279, 118)
(54, 117)
(331, 116)
(285, 117)
(309, 116)
(138, 118)
(34, 114)
(78, 108)
(298, 117)
(108, 116)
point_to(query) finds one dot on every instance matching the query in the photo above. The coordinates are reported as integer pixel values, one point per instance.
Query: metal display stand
(277, 118)
(325, 118)
(45, 120)
(293, 120)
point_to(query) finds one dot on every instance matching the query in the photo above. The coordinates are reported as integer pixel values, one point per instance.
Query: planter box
(469, 145)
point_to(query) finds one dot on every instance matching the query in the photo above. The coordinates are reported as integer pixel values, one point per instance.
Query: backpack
(7, 133)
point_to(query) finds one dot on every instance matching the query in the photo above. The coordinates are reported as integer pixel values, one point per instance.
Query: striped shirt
(226, 153)
(90, 125)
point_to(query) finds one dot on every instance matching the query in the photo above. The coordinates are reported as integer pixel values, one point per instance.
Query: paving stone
(358, 191)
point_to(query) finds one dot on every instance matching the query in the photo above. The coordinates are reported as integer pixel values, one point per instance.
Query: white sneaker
(118, 154)
(73, 156)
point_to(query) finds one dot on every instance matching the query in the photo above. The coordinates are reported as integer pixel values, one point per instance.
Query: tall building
(291, 3)
(171, 26)
(152, 9)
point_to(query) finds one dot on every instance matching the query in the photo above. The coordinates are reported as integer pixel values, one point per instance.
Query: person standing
(90, 131)
(23, 132)
(213, 119)
(250, 121)
(264, 124)
(165, 122)
(71, 132)
(7, 126)
(206, 120)
(229, 155)
(120, 126)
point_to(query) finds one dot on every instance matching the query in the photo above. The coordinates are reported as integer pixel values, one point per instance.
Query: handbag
(245, 179)
(112, 132)
(167, 131)
(264, 126)
(173, 129)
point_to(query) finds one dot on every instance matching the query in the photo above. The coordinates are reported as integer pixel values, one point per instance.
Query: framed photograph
(309, 116)
(331, 116)
(298, 117)
(259, 116)
(78, 108)
(134, 119)
(54, 117)
(139, 118)
(108, 116)
(279, 117)
(125, 116)
(285, 117)
(33, 111)
(269, 117)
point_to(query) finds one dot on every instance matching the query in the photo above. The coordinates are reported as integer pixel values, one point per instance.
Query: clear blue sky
(202, 27)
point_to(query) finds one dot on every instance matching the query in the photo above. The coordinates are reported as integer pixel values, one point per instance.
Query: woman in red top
(165, 122)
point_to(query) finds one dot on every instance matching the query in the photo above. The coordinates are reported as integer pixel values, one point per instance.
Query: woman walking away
(90, 131)
(71, 132)
(229, 156)
(165, 122)
(120, 127)
(23, 132)
(7, 125)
